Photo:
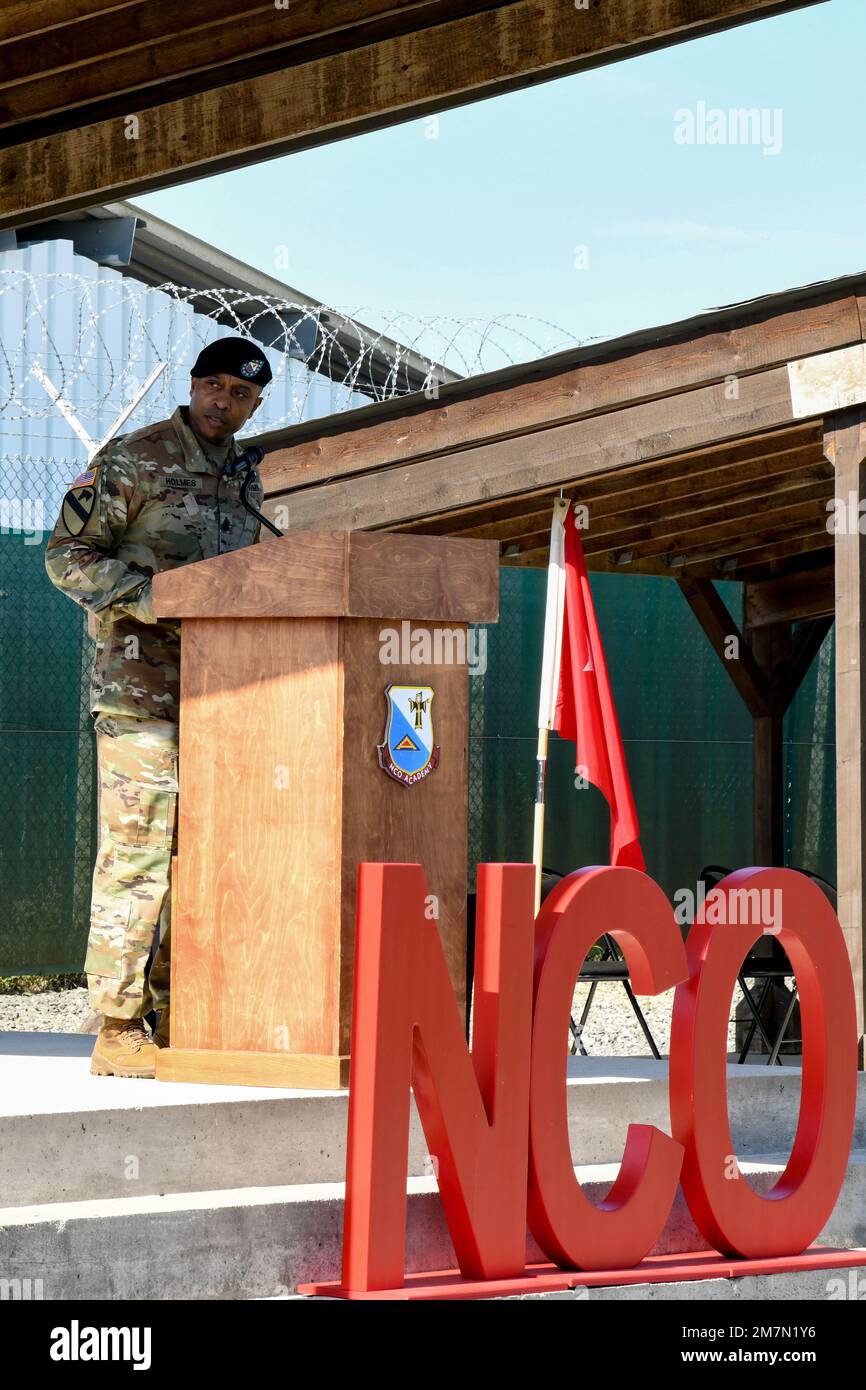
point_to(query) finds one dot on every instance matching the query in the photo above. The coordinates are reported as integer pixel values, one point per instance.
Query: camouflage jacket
(148, 501)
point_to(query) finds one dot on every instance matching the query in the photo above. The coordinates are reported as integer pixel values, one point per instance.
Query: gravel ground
(612, 1029)
(55, 1011)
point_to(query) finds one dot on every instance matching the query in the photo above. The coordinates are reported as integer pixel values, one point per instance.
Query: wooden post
(771, 649)
(751, 660)
(845, 447)
(767, 667)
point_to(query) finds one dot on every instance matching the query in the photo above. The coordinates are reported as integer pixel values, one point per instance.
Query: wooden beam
(344, 93)
(556, 390)
(768, 808)
(552, 457)
(795, 560)
(100, 67)
(787, 563)
(752, 671)
(795, 553)
(766, 668)
(786, 529)
(807, 645)
(20, 17)
(757, 546)
(828, 382)
(768, 793)
(793, 598)
(729, 644)
(845, 446)
(749, 558)
(31, 59)
(744, 522)
(772, 651)
(602, 564)
(665, 528)
(702, 478)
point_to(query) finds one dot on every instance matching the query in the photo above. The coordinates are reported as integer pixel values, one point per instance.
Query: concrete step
(260, 1242)
(69, 1137)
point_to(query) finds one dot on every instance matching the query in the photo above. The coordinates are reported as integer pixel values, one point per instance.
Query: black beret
(235, 357)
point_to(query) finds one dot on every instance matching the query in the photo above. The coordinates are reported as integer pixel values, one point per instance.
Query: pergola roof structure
(708, 449)
(682, 441)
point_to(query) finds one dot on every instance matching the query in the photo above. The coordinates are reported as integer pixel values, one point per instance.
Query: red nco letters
(497, 1120)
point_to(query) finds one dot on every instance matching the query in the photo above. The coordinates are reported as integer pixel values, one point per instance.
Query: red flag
(585, 710)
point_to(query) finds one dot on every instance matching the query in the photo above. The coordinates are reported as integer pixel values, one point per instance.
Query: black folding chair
(766, 970)
(611, 967)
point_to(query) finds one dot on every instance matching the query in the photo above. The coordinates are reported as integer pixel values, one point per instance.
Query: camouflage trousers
(131, 898)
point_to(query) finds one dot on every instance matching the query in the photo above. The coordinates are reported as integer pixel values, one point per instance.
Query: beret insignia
(252, 368)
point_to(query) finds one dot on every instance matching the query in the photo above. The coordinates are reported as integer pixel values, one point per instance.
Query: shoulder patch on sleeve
(87, 478)
(78, 507)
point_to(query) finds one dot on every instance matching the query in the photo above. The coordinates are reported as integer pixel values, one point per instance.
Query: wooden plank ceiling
(220, 86)
(680, 442)
(725, 512)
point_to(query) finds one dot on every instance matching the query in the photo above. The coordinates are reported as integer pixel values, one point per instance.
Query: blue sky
(573, 202)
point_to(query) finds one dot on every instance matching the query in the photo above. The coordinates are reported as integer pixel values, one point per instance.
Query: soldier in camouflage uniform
(147, 502)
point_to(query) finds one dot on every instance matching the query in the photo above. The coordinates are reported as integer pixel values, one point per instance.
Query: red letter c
(567, 1225)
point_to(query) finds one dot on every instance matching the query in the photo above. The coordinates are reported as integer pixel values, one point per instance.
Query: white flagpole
(552, 651)
(131, 406)
(69, 416)
(66, 411)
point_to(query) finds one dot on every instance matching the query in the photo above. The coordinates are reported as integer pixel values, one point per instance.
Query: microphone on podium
(250, 458)
(247, 462)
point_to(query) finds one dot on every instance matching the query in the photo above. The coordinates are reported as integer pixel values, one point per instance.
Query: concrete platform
(262, 1242)
(70, 1136)
(139, 1189)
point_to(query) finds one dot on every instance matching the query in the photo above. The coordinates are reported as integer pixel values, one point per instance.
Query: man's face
(220, 405)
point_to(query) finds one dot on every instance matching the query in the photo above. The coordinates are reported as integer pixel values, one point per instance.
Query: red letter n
(406, 1028)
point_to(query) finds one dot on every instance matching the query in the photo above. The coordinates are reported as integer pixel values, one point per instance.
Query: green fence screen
(48, 812)
(686, 733)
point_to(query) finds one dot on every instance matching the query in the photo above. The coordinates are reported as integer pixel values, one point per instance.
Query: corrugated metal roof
(161, 252)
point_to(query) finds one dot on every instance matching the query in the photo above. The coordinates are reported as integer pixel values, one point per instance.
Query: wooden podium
(282, 794)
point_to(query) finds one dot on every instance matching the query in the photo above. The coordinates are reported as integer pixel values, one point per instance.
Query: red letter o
(727, 1210)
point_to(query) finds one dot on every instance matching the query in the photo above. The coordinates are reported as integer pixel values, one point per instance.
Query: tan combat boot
(123, 1048)
(162, 1035)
